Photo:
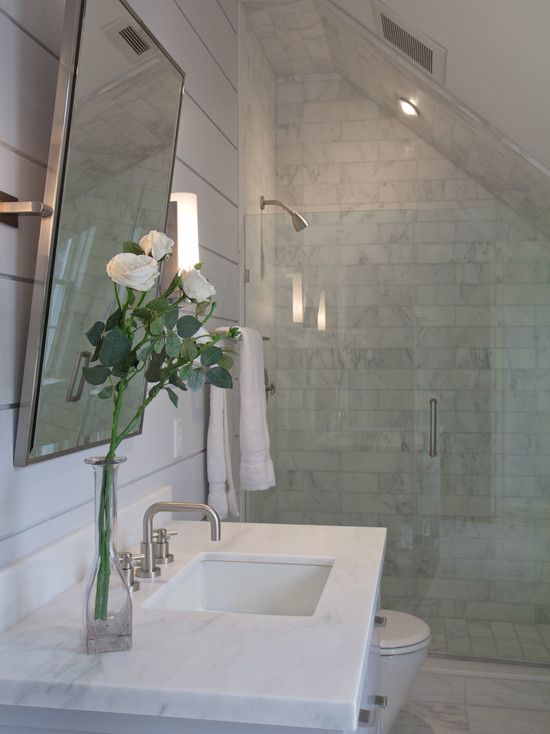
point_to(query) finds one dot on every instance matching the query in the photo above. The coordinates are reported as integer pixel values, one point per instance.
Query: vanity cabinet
(210, 669)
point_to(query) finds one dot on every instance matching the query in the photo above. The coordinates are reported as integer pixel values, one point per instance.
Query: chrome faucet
(148, 569)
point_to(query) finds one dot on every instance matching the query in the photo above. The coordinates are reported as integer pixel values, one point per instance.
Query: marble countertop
(289, 671)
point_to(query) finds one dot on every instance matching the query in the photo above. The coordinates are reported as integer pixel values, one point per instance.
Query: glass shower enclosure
(410, 350)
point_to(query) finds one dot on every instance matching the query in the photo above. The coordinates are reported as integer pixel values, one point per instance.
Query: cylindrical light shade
(322, 313)
(187, 242)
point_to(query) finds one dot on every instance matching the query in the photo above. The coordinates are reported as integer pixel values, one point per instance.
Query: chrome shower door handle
(433, 428)
(76, 384)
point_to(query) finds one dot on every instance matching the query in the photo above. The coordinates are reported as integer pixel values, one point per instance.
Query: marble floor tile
(438, 688)
(492, 720)
(499, 692)
(431, 718)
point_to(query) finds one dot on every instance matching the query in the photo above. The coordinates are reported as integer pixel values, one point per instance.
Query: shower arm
(265, 202)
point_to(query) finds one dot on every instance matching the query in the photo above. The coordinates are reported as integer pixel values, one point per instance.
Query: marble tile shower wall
(432, 289)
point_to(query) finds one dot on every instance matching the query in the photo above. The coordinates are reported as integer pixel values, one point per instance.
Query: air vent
(424, 52)
(134, 40)
(130, 40)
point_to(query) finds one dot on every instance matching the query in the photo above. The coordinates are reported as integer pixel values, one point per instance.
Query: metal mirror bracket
(11, 209)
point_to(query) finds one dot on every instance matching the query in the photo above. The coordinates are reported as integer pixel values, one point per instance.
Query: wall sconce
(187, 230)
(322, 313)
(297, 299)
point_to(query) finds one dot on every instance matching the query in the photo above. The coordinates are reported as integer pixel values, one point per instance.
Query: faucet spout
(148, 568)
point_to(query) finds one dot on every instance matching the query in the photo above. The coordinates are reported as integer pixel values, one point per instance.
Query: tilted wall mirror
(109, 177)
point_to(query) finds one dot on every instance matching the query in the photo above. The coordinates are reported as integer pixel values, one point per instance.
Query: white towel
(256, 466)
(221, 489)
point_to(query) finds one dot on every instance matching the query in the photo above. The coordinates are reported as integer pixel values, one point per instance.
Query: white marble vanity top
(302, 671)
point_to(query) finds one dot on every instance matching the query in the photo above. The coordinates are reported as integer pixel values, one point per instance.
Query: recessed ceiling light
(408, 107)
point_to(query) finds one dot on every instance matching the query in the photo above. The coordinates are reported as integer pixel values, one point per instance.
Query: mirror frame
(53, 191)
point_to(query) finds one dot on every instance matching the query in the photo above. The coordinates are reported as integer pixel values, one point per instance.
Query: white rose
(156, 244)
(196, 286)
(133, 271)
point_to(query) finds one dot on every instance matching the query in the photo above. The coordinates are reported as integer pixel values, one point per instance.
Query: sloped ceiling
(306, 36)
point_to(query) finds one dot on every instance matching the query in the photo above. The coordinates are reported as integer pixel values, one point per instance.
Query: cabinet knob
(380, 621)
(381, 702)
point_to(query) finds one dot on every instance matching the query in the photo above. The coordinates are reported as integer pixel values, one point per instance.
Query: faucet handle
(127, 561)
(161, 545)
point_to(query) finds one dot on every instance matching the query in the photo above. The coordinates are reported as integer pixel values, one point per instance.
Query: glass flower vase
(107, 603)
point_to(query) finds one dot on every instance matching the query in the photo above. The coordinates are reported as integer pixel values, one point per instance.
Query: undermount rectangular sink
(249, 585)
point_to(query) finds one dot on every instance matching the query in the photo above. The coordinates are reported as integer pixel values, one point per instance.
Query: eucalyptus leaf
(219, 377)
(95, 332)
(189, 350)
(211, 356)
(226, 362)
(161, 304)
(185, 371)
(143, 314)
(172, 345)
(173, 397)
(113, 320)
(115, 348)
(156, 326)
(171, 317)
(196, 379)
(177, 382)
(158, 345)
(144, 353)
(105, 393)
(187, 326)
(96, 375)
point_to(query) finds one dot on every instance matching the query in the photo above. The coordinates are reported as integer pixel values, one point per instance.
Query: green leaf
(96, 375)
(198, 266)
(172, 345)
(173, 397)
(178, 382)
(187, 326)
(153, 373)
(185, 371)
(171, 317)
(158, 345)
(210, 356)
(196, 379)
(159, 304)
(94, 333)
(115, 348)
(156, 326)
(143, 314)
(113, 320)
(219, 377)
(189, 350)
(226, 362)
(144, 353)
(133, 248)
(105, 393)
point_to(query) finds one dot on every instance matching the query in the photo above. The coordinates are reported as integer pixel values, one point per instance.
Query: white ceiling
(498, 60)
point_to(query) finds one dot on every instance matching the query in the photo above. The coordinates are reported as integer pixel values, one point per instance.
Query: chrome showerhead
(299, 222)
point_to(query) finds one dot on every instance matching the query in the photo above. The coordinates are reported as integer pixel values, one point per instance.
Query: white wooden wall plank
(202, 148)
(28, 76)
(41, 18)
(15, 298)
(225, 278)
(204, 79)
(231, 9)
(219, 232)
(211, 24)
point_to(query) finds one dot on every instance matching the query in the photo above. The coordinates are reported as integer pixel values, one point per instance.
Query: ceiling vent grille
(134, 40)
(424, 52)
(130, 40)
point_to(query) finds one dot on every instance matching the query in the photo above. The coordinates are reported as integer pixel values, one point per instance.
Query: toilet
(403, 645)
